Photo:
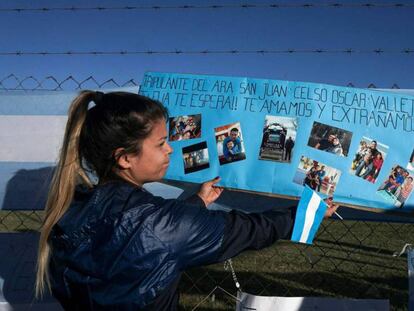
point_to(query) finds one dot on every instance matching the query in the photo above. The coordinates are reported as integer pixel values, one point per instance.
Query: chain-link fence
(352, 259)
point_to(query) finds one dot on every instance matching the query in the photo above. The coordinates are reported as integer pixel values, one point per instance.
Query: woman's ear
(122, 159)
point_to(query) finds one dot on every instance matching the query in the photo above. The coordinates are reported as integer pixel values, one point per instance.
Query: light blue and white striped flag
(309, 215)
(31, 131)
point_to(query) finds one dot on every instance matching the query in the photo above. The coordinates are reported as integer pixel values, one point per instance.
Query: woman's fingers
(215, 180)
(209, 192)
(332, 207)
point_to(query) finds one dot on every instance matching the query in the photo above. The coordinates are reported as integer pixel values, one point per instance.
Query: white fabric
(268, 303)
(32, 138)
(310, 216)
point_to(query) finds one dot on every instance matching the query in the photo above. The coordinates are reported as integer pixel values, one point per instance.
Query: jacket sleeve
(255, 231)
(205, 237)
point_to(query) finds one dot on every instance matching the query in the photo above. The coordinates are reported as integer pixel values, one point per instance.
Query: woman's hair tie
(98, 98)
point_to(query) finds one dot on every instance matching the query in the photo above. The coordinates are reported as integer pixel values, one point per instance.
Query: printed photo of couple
(330, 139)
(278, 140)
(184, 127)
(229, 142)
(398, 186)
(317, 176)
(368, 160)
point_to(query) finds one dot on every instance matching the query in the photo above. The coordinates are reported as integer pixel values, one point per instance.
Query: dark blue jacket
(118, 247)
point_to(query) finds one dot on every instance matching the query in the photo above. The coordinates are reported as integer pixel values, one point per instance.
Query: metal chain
(228, 263)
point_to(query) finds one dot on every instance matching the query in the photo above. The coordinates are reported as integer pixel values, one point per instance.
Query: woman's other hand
(209, 192)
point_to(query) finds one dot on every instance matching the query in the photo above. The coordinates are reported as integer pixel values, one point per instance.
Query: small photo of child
(230, 145)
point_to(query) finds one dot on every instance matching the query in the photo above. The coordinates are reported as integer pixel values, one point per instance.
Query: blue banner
(278, 136)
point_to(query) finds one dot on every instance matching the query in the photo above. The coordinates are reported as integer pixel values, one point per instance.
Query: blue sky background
(212, 29)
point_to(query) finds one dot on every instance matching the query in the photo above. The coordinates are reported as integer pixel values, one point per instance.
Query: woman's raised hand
(209, 192)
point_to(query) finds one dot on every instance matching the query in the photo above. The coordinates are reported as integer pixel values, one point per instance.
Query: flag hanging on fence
(309, 215)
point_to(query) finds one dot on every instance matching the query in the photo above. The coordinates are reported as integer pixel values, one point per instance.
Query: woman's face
(153, 161)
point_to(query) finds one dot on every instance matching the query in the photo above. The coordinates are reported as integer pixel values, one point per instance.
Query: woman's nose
(169, 149)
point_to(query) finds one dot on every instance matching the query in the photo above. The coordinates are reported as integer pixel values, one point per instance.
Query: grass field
(349, 259)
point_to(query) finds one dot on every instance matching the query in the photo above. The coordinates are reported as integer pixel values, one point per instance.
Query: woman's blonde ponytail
(67, 175)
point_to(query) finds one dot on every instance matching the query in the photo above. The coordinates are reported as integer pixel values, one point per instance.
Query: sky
(299, 28)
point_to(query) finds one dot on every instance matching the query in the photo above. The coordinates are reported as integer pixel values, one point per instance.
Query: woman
(113, 245)
(312, 178)
(377, 162)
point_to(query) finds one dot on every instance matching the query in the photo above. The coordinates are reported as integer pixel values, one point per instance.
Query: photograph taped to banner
(195, 157)
(184, 127)
(317, 176)
(279, 136)
(230, 146)
(397, 187)
(330, 139)
(369, 159)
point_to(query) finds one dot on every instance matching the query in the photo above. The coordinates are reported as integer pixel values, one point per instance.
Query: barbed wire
(212, 6)
(51, 83)
(348, 51)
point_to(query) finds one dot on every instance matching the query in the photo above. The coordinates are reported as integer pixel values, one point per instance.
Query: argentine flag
(31, 131)
(309, 215)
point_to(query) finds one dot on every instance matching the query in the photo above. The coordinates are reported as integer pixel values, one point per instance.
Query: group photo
(368, 159)
(184, 127)
(317, 176)
(397, 187)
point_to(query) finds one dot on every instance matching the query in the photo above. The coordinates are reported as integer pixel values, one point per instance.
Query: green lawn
(18, 221)
(349, 259)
